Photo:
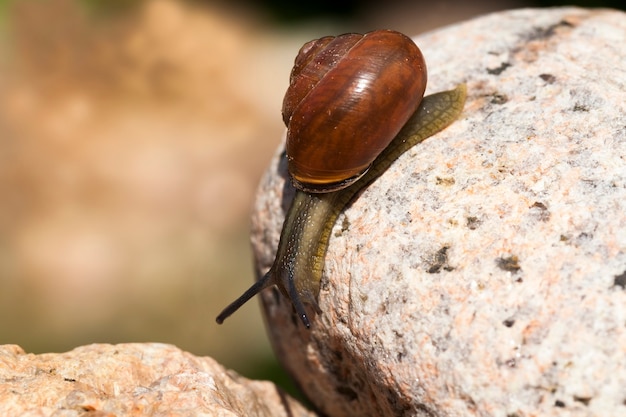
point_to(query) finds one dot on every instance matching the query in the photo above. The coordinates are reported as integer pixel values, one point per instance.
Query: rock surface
(132, 380)
(484, 274)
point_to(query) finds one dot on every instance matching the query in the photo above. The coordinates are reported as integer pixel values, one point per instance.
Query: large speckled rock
(484, 273)
(132, 380)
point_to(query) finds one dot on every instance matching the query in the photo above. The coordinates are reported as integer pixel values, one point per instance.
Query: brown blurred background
(132, 137)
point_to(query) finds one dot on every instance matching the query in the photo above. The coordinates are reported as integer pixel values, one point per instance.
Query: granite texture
(484, 274)
(132, 380)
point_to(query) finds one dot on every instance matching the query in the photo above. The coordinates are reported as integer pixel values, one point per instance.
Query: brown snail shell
(349, 96)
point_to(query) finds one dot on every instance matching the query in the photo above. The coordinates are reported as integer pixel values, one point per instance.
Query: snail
(353, 106)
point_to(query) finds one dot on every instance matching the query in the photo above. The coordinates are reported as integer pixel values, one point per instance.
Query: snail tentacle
(257, 287)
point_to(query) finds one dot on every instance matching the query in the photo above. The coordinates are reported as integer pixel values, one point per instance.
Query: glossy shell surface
(348, 98)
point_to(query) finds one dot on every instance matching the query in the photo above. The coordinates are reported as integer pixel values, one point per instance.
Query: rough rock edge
(149, 379)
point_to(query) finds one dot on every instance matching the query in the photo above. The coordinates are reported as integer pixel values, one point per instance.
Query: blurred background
(132, 137)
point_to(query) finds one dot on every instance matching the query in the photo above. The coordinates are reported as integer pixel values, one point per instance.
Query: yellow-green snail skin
(354, 105)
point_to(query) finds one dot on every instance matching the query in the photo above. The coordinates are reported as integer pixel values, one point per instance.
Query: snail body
(333, 154)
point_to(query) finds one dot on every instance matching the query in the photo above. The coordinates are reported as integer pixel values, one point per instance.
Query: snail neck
(297, 269)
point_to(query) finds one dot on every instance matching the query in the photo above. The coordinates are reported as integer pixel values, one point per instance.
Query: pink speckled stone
(483, 274)
(148, 379)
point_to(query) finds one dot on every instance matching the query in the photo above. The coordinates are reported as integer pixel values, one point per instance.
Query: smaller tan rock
(132, 380)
